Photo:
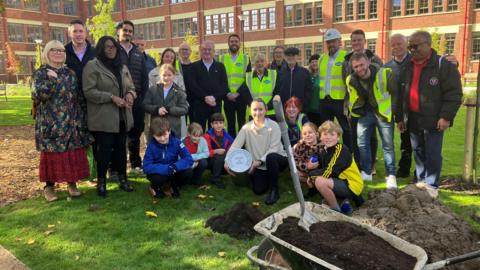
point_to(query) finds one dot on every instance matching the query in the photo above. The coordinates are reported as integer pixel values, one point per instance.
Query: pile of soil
(413, 215)
(238, 222)
(344, 245)
(458, 184)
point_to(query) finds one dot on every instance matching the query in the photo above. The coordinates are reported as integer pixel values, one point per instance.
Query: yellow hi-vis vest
(262, 88)
(380, 92)
(337, 85)
(235, 70)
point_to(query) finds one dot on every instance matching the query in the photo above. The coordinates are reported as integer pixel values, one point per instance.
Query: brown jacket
(99, 84)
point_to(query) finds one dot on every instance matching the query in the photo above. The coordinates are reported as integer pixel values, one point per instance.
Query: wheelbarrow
(290, 257)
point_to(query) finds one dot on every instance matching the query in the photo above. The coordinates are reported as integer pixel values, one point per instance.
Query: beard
(233, 49)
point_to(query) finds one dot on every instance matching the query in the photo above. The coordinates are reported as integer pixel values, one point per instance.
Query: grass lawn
(114, 233)
(15, 111)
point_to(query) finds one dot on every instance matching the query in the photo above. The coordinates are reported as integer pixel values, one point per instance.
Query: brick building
(263, 24)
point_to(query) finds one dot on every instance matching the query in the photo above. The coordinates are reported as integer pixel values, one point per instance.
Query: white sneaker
(391, 182)
(137, 170)
(365, 176)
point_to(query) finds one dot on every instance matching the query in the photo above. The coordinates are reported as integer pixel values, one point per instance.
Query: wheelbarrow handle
(452, 260)
(261, 262)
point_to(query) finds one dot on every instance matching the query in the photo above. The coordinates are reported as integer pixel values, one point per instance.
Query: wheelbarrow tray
(299, 259)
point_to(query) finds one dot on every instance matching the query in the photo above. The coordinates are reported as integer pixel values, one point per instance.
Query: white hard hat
(332, 34)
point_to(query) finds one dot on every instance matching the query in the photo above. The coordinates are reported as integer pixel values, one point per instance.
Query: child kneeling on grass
(336, 176)
(198, 148)
(219, 142)
(167, 160)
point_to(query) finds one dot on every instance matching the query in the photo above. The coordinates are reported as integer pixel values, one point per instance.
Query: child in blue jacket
(167, 160)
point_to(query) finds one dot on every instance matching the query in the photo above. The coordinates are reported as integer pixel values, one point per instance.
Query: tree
(102, 23)
(13, 65)
(38, 56)
(192, 41)
(439, 43)
(155, 54)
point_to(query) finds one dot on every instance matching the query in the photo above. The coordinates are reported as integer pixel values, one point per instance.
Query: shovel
(306, 217)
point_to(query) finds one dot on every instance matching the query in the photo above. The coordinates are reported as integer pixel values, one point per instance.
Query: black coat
(207, 83)
(138, 69)
(440, 92)
(297, 83)
(75, 64)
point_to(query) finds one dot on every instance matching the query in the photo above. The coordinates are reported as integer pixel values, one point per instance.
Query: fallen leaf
(30, 241)
(211, 197)
(221, 254)
(77, 257)
(93, 208)
(255, 204)
(154, 201)
(150, 214)
(51, 226)
(18, 239)
(59, 222)
(201, 196)
(48, 232)
(204, 187)
(69, 199)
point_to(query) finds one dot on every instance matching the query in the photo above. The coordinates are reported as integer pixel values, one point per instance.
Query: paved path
(9, 262)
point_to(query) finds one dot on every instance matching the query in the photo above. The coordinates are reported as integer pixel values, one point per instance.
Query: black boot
(311, 193)
(273, 196)
(123, 183)
(102, 187)
(175, 192)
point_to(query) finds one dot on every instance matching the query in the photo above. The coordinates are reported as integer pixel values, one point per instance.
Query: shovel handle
(452, 260)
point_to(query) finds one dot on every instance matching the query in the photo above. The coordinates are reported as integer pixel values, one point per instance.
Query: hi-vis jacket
(337, 85)
(262, 88)
(235, 70)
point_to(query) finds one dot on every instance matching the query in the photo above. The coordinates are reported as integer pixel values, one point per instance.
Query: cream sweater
(260, 142)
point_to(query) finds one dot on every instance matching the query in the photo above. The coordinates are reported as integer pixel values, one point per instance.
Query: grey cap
(292, 51)
(332, 34)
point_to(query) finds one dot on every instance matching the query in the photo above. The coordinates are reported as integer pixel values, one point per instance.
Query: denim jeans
(365, 130)
(427, 151)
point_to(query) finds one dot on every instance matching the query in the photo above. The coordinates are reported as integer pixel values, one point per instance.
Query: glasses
(57, 50)
(414, 46)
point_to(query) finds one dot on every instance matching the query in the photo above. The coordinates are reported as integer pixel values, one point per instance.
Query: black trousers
(135, 133)
(215, 164)
(264, 180)
(405, 162)
(196, 178)
(178, 179)
(111, 151)
(356, 151)
(201, 112)
(330, 109)
(315, 118)
(235, 114)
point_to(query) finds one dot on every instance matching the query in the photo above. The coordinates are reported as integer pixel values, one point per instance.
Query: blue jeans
(427, 151)
(365, 130)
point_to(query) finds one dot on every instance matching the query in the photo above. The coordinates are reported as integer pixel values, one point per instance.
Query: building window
(12, 3)
(271, 18)
(215, 24)
(372, 9)
(263, 18)
(231, 25)
(58, 33)
(477, 3)
(349, 10)
(318, 12)
(453, 5)
(54, 6)
(372, 45)
(186, 25)
(208, 25)
(151, 31)
(347, 45)
(409, 7)
(308, 13)
(422, 6)
(298, 14)
(70, 7)
(24, 62)
(318, 47)
(34, 32)
(254, 19)
(2, 65)
(450, 43)
(476, 46)
(396, 8)
(338, 10)
(437, 5)
(137, 4)
(33, 5)
(15, 32)
(308, 52)
(246, 20)
(361, 10)
(223, 23)
(180, 1)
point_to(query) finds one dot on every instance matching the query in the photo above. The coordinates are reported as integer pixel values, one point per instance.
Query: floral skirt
(69, 166)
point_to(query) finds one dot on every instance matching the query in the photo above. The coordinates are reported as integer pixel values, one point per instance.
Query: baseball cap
(332, 34)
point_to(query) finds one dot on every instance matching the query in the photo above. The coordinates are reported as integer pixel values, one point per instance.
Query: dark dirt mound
(345, 245)
(237, 222)
(413, 215)
(457, 184)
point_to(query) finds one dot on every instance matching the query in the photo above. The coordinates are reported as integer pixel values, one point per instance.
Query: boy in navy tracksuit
(167, 160)
(219, 142)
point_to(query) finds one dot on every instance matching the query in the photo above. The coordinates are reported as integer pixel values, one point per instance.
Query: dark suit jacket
(205, 82)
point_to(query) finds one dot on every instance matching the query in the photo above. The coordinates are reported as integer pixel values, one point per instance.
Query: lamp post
(322, 32)
(242, 18)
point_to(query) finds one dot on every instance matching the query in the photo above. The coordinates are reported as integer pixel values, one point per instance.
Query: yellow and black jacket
(337, 162)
